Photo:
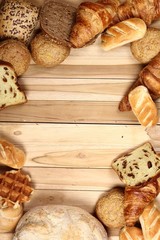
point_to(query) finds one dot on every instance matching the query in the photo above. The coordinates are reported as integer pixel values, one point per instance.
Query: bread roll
(122, 33)
(143, 106)
(131, 233)
(59, 222)
(110, 208)
(9, 218)
(10, 155)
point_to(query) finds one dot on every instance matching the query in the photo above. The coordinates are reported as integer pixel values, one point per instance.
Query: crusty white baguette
(122, 33)
(150, 222)
(131, 233)
(10, 155)
(143, 106)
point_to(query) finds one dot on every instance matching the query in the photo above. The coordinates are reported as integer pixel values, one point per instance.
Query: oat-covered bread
(57, 19)
(137, 166)
(18, 19)
(45, 51)
(10, 92)
(16, 53)
(110, 208)
(147, 47)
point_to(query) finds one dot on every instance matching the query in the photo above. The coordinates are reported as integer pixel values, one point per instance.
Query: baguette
(143, 106)
(122, 33)
(131, 233)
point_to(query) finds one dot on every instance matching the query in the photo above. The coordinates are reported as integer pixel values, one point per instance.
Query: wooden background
(71, 128)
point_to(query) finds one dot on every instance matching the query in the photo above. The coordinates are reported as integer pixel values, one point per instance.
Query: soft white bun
(59, 222)
(9, 218)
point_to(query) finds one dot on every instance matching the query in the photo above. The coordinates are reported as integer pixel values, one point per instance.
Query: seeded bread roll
(122, 33)
(18, 19)
(16, 53)
(45, 51)
(147, 47)
(138, 166)
(110, 208)
(10, 92)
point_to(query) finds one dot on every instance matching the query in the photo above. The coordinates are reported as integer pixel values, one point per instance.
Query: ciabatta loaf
(131, 233)
(10, 92)
(137, 166)
(143, 106)
(150, 222)
(122, 33)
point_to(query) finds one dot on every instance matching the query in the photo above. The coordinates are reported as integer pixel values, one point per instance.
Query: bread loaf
(10, 92)
(150, 222)
(59, 222)
(137, 166)
(122, 33)
(143, 106)
(131, 233)
(9, 218)
(10, 155)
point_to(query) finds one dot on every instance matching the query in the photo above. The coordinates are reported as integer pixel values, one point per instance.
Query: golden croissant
(91, 20)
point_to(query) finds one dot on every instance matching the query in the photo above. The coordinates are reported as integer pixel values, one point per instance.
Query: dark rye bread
(57, 19)
(10, 92)
(137, 166)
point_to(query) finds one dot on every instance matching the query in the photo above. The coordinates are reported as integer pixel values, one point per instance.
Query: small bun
(131, 233)
(9, 218)
(17, 54)
(18, 19)
(110, 208)
(147, 47)
(45, 51)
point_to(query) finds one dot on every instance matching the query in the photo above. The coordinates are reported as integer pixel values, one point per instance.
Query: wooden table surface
(71, 128)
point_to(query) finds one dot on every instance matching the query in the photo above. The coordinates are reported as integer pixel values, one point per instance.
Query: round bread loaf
(9, 218)
(18, 19)
(59, 222)
(17, 54)
(110, 208)
(45, 51)
(147, 47)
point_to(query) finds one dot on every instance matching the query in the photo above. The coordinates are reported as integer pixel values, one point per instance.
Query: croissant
(150, 222)
(137, 198)
(149, 77)
(91, 20)
(148, 10)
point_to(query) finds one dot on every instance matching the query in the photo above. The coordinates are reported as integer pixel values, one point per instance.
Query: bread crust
(131, 233)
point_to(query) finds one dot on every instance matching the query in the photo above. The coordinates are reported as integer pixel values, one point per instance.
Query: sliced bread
(10, 92)
(137, 166)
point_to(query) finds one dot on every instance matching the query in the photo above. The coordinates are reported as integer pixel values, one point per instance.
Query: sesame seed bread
(18, 19)
(137, 166)
(10, 93)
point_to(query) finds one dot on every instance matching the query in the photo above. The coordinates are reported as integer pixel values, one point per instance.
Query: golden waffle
(14, 188)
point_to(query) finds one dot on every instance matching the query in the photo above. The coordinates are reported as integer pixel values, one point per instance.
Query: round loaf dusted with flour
(18, 19)
(59, 222)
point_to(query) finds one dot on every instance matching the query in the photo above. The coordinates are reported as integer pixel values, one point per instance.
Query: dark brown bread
(57, 19)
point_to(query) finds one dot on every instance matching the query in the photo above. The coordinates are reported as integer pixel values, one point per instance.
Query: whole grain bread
(137, 166)
(57, 19)
(147, 47)
(10, 92)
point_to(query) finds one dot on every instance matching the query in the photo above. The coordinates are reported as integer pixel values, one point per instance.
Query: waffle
(14, 188)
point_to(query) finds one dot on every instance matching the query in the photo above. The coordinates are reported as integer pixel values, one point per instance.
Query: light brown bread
(131, 233)
(122, 33)
(137, 166)
(110, 208)
(10, 155)
(10, 92)
(59, 222)
(143, 106)
(18, 18)
(146, 48)
(17, 54)
(150, 222)
(46, 52)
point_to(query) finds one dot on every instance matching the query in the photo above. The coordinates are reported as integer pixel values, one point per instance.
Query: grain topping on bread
(137, 166)
(10, 92)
